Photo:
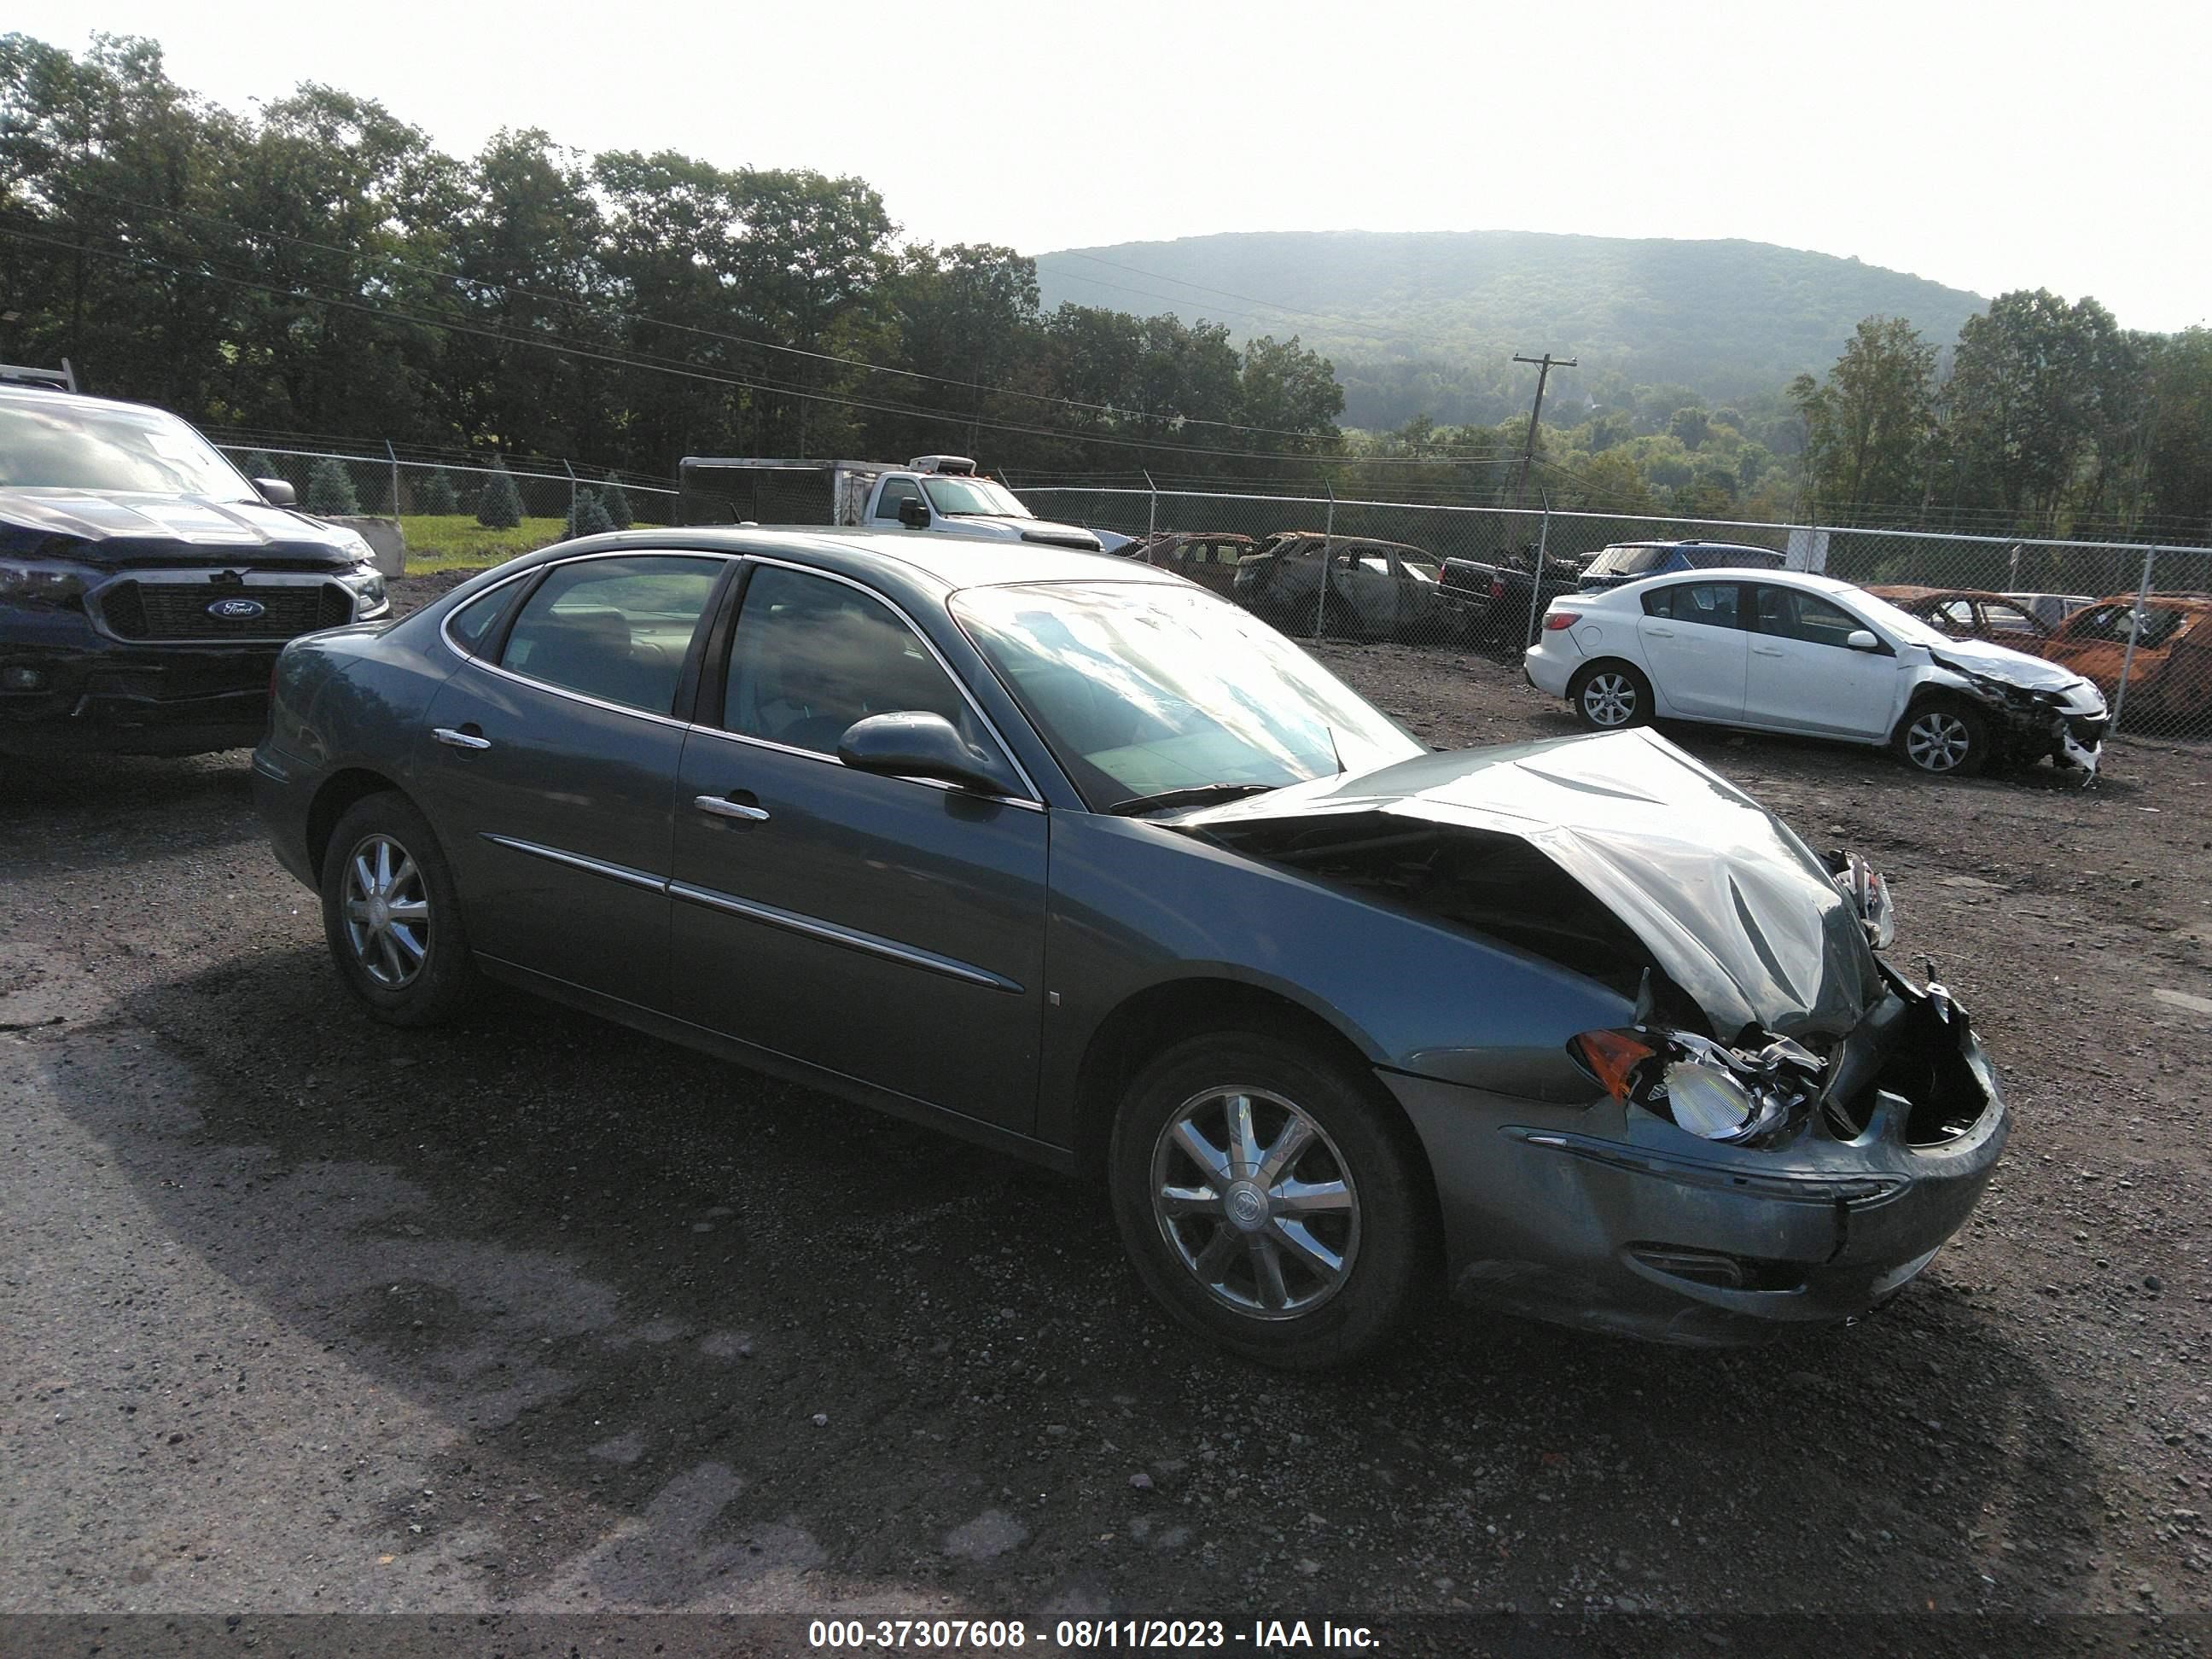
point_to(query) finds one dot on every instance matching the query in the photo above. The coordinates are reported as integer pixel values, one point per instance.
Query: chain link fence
(456, 512)
(2135, 619)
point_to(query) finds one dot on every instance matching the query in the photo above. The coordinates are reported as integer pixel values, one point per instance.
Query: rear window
(1629, 559)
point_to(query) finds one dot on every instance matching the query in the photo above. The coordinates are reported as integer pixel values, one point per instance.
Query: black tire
(1943, 736)
(1610, 689)
(404, 972)
(1383, 1239)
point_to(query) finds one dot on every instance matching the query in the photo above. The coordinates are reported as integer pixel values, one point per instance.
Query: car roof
(19, 392)
(1804, 578)
(938, 564)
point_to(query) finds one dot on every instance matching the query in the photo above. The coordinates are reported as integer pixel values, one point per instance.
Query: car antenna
(1335, 754)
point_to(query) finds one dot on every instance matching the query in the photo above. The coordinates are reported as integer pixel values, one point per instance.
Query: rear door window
(615, 629)
(1709, 604)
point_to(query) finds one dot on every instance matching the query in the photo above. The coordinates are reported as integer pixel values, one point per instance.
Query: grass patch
(455, 541)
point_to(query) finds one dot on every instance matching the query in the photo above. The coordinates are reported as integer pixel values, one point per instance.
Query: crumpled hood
(1730, 903)
(104, 528)
(2001, 662)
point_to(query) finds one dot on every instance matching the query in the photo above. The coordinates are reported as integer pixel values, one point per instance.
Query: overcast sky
(1985, 145)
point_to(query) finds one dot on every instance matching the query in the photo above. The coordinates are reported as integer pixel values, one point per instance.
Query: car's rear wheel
(1610, 697)
(1945, 737)
(1269, 1201)
(390, 916)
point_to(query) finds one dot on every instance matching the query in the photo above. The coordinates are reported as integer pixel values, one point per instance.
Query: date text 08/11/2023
(1011, 1635)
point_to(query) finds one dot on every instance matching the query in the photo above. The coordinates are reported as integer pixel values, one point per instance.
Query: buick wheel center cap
(380, 914)
(1247, 1203)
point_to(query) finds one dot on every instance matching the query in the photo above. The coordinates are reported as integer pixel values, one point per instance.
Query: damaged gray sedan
(1096, 869)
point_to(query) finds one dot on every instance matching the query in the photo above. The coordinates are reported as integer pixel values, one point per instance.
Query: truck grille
(179, 610)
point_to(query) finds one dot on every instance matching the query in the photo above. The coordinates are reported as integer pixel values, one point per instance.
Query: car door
(1804, 676)
(549, 769)
(889, 929)
(1694, 648)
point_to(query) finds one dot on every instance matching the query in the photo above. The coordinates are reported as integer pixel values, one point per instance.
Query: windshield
(59, 443)
(1902, 624)
(1140, 689)
(955, 497)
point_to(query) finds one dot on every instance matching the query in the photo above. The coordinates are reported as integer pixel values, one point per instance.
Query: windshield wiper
(1197, 795)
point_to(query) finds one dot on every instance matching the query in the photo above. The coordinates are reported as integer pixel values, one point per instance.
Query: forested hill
(1425, 322)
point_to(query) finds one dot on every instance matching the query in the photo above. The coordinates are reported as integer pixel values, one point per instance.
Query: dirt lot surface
(300, 1313)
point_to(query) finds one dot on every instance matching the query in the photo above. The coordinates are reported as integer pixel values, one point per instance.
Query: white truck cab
(944, 494)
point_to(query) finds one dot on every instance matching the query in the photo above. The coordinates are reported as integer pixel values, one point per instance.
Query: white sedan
(1784, 650)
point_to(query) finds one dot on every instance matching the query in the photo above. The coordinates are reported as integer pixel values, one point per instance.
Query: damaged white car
(1786, 651)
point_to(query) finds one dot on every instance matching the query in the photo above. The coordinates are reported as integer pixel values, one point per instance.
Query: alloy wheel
(1255, 1201)
(388, 912)
(1609, 700)
(1937, 740)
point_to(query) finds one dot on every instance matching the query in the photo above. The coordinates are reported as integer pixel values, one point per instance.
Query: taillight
(1498, 587)
(1556, 620)
(1612, 1058)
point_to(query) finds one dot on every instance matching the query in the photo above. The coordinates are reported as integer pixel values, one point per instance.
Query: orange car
(1967, 613)
(2170, 680)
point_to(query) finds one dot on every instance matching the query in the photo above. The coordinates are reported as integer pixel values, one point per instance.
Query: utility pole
(1546, 364)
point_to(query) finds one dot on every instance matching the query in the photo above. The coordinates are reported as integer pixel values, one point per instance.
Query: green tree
(587, 517)
(2179, 454)
(329, 489)
(2032, 387)
(499, 503)
(259, 464)
(616, 501)
(436, 493)
(1869, 424)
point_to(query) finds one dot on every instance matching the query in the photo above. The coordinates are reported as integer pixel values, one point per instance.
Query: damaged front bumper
(1612, 1218)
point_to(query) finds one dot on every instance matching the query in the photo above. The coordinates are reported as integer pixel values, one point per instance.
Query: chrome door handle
(453, 739)
(729, 808)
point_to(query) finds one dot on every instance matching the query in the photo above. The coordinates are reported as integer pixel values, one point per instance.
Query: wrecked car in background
(1311, 584)
(1966, 613)
(1210, 559)
(2170, 676)
(1574, 1027)
(1788, 652)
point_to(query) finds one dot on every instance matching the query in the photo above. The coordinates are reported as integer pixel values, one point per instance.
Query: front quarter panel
(1136, 905)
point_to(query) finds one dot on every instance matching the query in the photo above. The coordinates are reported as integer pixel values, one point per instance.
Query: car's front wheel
(1269, 1201)
(1945, 737)
(1610, 697)
(392, 917)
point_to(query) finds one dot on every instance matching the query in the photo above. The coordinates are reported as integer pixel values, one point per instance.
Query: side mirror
(1861, 639)
(917, 746)
(276, 492)
(913, 513)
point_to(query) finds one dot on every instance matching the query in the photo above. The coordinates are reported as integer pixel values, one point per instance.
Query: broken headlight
(1741, 1096)
(1863, 885)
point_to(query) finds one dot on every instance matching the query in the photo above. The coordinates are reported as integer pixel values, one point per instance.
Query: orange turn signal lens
(1613, 1058)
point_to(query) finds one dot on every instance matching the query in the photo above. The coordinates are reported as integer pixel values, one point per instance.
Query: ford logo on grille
(237, 610)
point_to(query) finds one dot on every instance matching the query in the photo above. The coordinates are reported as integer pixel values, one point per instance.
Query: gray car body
(1067, 945)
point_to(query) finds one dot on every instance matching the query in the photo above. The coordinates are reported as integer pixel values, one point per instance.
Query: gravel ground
(299, 1313)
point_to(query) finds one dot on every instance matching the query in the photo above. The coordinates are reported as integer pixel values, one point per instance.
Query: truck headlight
(367, 584)
(41, 585)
